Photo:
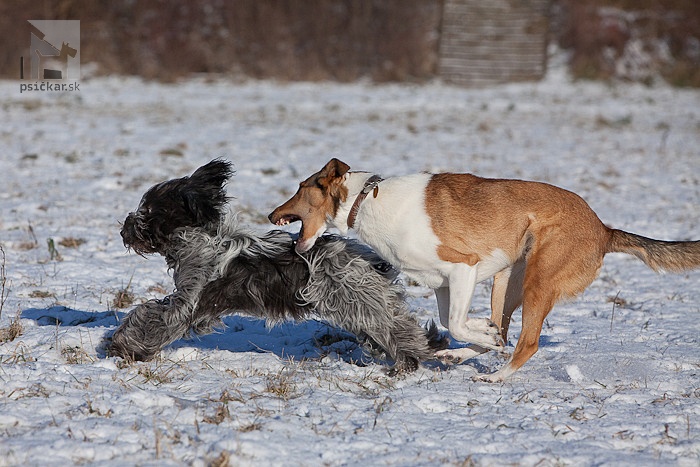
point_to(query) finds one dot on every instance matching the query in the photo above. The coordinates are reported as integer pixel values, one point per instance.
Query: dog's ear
(334, 169)
(205, 194)
(212, 175)
(202, 209)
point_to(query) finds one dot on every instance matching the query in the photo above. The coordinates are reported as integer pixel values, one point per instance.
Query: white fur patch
(304, 246)
(497, 261)
(396, 224)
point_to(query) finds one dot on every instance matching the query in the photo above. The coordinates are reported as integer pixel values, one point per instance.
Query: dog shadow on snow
(303, 340)
(288, 340)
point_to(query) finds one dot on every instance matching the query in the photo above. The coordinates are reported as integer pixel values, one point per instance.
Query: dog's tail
(436, 341)
(657, 254)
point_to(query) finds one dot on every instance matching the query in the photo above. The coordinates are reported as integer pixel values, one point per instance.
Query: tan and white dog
(449, 231)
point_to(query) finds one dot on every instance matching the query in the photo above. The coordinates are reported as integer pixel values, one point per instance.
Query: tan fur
(554, 241)
(322, 192)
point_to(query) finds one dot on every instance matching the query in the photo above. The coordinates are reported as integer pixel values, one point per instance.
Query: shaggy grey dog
(220, 268)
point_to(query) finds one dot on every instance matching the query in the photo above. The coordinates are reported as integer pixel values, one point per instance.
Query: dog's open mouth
(288, 219)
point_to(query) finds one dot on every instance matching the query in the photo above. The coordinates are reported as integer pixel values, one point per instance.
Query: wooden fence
(494, 41)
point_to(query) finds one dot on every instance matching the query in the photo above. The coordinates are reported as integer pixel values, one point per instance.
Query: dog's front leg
(453, 305)
(481, 332)
(442, 295)
(453, 356)
(144, 332)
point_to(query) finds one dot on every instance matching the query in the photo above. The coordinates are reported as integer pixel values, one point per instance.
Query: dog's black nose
(125, 239)
(127, 231)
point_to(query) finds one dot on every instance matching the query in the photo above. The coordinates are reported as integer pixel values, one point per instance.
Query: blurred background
(278, 87)
(468, 42)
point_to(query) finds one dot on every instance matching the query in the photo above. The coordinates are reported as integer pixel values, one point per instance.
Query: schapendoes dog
(220, 268)
(449, 231)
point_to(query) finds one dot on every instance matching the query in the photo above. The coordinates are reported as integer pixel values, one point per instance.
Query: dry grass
(76, 355)
(157, 289)
(53, 251)
(253, 426)
(41, 294)
(124, 298)
(13, 331)
(34, 390)
(157, 375)
(21, 354)
(3, 280)
(222, 460)
(222, 413)
(71, 242)
(32, 241)
(92, 410)
(172, 152)
(282, 384)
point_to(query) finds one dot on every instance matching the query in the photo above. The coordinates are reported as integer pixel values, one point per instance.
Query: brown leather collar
(372, 184)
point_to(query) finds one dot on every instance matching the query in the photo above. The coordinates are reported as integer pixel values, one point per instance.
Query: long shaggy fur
(220, 268)
(657, 254)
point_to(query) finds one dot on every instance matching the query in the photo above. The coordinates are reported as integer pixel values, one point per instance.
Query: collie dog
(449, 231)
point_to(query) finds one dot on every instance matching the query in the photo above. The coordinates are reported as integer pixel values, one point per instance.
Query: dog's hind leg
(397, 332)
(536, 305)
(550, 274)
(507, 296)
(383, 317)
(406, 342)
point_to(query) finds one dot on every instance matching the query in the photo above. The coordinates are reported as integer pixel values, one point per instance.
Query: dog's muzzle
(128, 231)
(135, 237)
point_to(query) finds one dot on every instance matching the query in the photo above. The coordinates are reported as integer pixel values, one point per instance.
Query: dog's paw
(483, 325)
(449, 357)
(480, 331)
(497, 377)
(487, 378)
(457, 356)
(404, 366)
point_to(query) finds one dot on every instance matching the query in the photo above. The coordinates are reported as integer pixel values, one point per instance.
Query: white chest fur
(398, 227)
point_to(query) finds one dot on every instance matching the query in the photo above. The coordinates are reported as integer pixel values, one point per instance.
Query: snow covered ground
(617, 377)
